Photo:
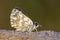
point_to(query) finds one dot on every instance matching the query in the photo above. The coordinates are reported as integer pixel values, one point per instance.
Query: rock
(41, 35)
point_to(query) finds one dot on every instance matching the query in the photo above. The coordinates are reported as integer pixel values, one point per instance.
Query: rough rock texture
(42, 35)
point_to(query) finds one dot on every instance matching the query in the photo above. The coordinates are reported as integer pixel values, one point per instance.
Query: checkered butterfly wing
(19, 21)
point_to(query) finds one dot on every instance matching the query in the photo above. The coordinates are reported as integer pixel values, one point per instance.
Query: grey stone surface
(41, 35)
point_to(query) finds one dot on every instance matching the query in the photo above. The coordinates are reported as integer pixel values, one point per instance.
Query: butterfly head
(37, 24)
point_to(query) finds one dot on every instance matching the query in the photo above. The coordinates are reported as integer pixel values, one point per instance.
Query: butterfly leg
(36, 30)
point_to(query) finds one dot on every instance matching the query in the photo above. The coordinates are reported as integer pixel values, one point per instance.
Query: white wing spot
(20, 24)
(25, 19)
(20, 14)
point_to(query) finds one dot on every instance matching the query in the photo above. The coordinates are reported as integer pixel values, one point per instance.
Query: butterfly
(21, 22)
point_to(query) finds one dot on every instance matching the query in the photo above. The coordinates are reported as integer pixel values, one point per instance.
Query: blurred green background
(45, 12)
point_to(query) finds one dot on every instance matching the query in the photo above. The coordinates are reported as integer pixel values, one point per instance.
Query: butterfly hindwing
(20, 21)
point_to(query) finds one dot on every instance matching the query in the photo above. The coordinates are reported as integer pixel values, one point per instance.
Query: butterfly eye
(35, 23)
